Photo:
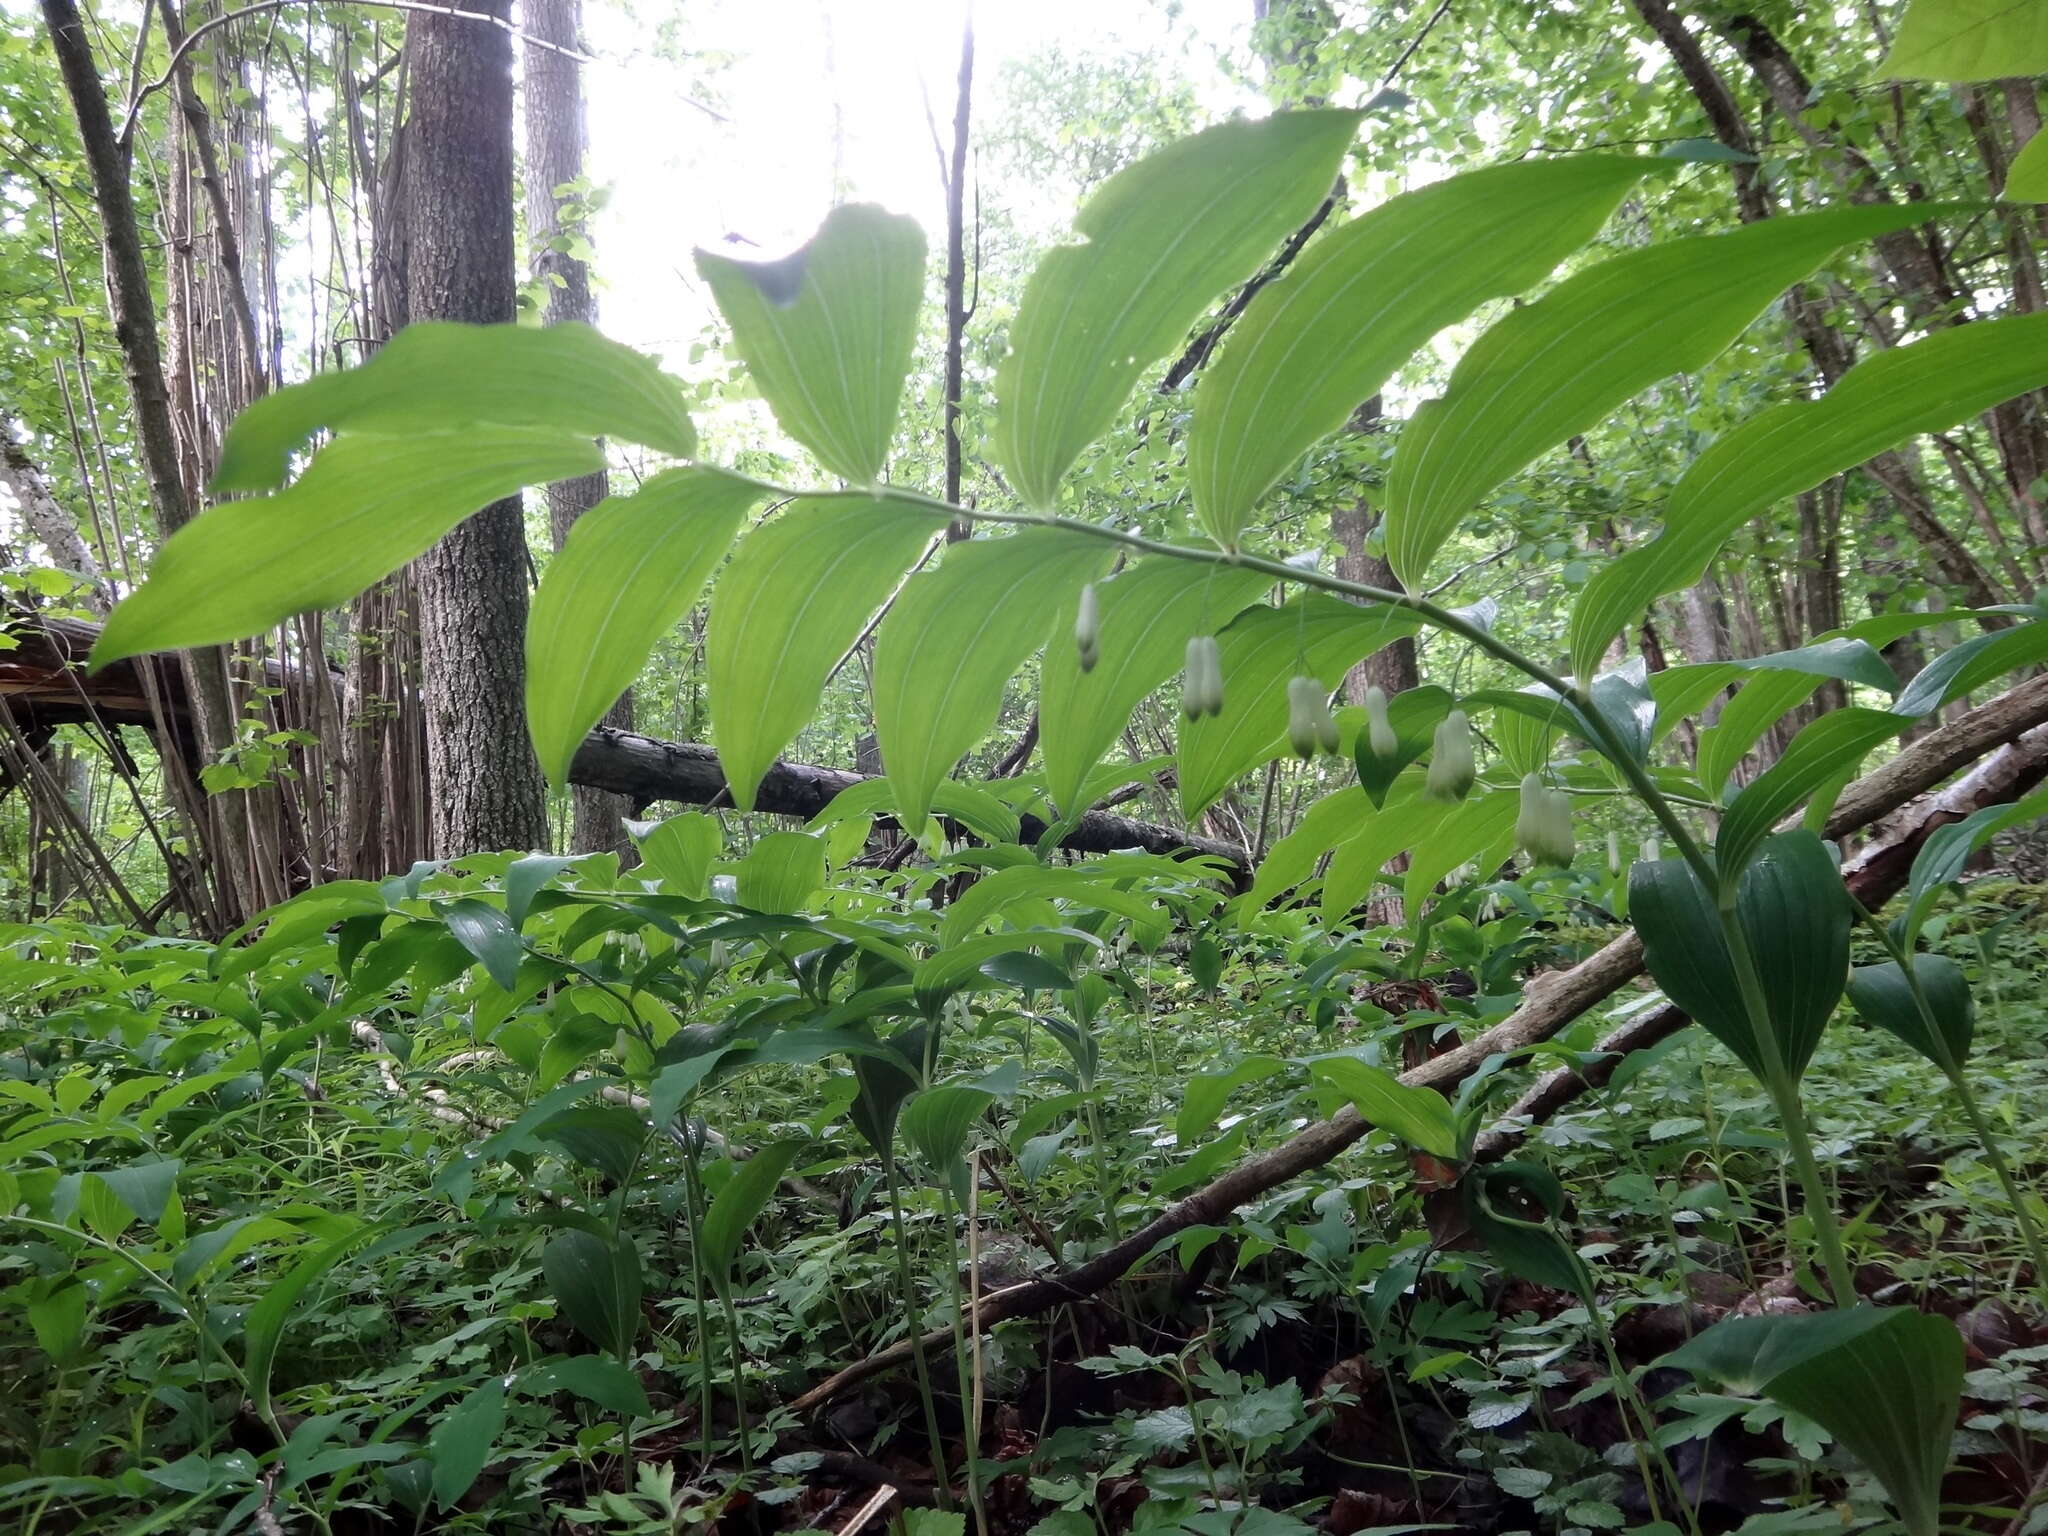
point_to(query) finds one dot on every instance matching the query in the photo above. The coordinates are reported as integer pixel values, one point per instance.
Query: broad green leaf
(744, 1197)
(1147, 611)
(827, 332)
(1558, 366)
(1526, 723)
(1329, 821)
(488, 934)
(1927, 386)
(597, 1286)
(1884, 997)
(1514, 1208)
(1824, 752)
(524, 879)
(1414, 714)
(597, 1379)
(1965, 667)
(1207, 1092)
(1795, 922)
(443, 377)
(2026, 179)
(1885, 1382)
(954, 640)
(1160, 240)
(1315, 635)
(631, 567)
(462, 1442)
(263, 1326)
(782, 872)
(607, 1138)
(1085, 885)
(975, 809)
(1419, 1116)
(936, 1121)
(1948, 849)
(1464, 833)
(364, 507)
(1408, 821)
(796, 596)
(946, 972)
(1361, 299)
(678, 851)
(1965, 40)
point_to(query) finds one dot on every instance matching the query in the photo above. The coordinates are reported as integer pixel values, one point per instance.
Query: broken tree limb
(1873, 877)
(44, 678)
(1551, 1003)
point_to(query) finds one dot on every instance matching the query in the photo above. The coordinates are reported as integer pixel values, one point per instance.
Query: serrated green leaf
(1926, 386)
(1964, 40)
(631, 567)
(597, 1286)
(1883, 996)
(1147, 613)
(364, 506)
(1558, 366)
(1795, 921)
(442, 377)
(796, 596)
(827, 332)
(1160, 240)
(1316, 635)
(954, 640)
(744, 1197)
(1361, 299)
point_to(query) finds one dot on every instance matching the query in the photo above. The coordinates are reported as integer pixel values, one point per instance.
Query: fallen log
(43, 681)
(1551, 1003)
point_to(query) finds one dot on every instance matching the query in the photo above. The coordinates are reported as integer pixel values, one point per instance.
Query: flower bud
(1305, 702)
(1543, 822)
(1378, 728)
(1088, 628)
(1202, 678)
(1451, 773)
(1651, 851)
(1613, 852)
(1327, 735)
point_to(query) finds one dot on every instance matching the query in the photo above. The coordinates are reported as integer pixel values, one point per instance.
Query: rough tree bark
(456, 184)
(552, 98)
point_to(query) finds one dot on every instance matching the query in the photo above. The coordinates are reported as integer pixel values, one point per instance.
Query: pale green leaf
(1422, 1117)
(827, 333)
(1927, 386)
(1558, 366)
(954, 640)
(631, 567)
(2026, 179)
(1147, 612)
(1361, 299)
(678, 851)
(1964, 40)
(440, 376)
(1160, 240)
(781, 872)
(364, 507)
(796, 596)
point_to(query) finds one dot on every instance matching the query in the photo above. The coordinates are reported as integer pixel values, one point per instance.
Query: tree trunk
(555, 136)
(484, 785)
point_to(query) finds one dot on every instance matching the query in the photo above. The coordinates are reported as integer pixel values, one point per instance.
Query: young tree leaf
(1825, 752)
(1419, 1116)
(796, 596)
(462, 1442)
(1795, 920)
(1514, 1209)
(441, 377)
(1147, 613)
(1965, 40)
(1884, 1381)
(631, 567)
(1315, 635)
(1558, 366)
(364, 507)
(781, 872)
(954, 640)
(827, 332)
(1926, 386)
(597, 1286)
(744, 1197)
(1159, 240)
(1883, 996)
(1361, 299)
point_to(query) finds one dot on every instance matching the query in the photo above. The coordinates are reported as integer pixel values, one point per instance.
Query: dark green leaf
(462, 1442)
(1825, 752)
(744, 1197)
(488, 934)
(1882, 994)
(595, 1378)
(597, 1286)
(1515, 1209)
(1413, 713)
